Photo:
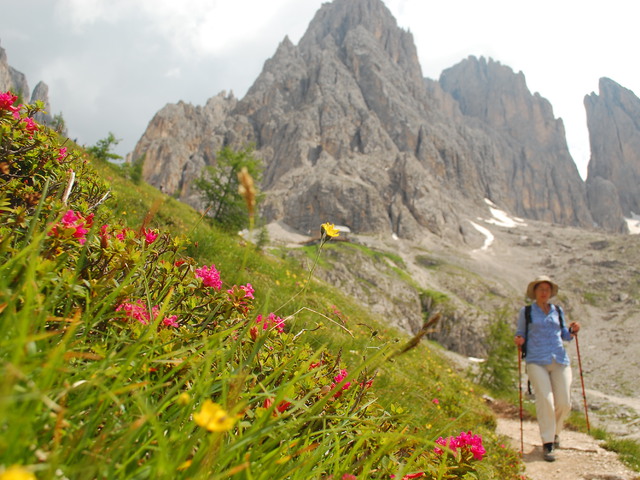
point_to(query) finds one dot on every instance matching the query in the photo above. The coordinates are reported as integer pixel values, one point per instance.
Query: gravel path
(579, 457)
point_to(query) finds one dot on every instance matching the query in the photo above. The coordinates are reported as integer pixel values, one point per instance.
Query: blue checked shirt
(544, 344)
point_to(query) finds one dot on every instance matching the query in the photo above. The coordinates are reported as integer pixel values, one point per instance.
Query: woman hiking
(540, 334)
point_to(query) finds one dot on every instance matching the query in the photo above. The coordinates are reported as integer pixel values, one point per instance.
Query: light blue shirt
(544, 344)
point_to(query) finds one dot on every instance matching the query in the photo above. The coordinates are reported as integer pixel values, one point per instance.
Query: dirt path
(578, 458)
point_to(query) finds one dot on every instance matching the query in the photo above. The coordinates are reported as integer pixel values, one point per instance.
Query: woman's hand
(519, 341)
(574, 328)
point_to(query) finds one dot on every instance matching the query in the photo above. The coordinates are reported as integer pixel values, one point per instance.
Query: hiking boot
(547, 452)
(556, 442)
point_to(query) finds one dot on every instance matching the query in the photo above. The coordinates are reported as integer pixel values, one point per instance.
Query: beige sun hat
(542, 278)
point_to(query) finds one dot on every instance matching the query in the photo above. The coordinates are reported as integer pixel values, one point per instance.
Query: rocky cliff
(613, 118)
(12, 79)
(350, 131)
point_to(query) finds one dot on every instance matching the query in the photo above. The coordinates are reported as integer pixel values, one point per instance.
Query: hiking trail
(580, 456)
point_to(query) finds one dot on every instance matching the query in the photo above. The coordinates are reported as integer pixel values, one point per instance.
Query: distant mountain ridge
(12, 79)
(350, 131)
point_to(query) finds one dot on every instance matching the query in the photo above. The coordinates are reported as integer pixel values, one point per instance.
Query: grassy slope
(419, 385)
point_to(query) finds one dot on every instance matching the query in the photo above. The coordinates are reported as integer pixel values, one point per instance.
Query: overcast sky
(112, 64)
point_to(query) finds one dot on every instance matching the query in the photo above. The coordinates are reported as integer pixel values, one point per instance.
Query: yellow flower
(17, 473)
(184, 398)
(329, 229)
(213, 417)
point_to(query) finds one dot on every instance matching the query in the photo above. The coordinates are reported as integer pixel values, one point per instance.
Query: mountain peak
(340, 18)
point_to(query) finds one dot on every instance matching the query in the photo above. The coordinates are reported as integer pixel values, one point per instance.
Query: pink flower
(436, 401)
(466, 441)
(339, 378)
(104, 236)
(73, 225)
(62, 154)
(282, 407)
(348, 476)
(171, 321)
(122, 235)
(272, 321)
(248, 290)
(32, 126)
(137, 311)
(6, 102)
(150, 235)
(210, 277)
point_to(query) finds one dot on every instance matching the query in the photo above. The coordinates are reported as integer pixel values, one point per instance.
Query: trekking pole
(584, 395)
(520, 391)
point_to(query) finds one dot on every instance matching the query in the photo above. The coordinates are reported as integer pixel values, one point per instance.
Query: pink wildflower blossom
(7, 100)
(210, 277)
(138, 311)
(272, 321)
(32, 126)
(410, 476)
(337, 379)
(466, 442)
(248, 290)
(149, 235)
(436, 401)
(104, 236)
(122, 235)
(73, 225)
(62, 154)
(171, 321)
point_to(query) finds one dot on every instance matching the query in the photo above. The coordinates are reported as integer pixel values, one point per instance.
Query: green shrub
(499, 370)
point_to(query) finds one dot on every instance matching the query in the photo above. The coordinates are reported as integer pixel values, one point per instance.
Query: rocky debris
(613, 118)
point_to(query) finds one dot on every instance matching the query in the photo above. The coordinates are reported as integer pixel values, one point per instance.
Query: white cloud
(195, 28)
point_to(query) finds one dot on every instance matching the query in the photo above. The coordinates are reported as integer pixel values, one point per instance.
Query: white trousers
(552, 387)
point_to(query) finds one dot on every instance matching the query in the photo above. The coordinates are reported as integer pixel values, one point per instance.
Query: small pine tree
(499, 371)
(102, 149)
(219, 187)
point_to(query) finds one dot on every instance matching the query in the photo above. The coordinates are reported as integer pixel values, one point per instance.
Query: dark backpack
(527, 316)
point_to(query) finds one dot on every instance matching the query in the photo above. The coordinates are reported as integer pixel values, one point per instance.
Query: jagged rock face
(604, 203)
(350, 132)
(535, 175)
(41, 93)
(613, 118)
(11, 79)
(180, 140)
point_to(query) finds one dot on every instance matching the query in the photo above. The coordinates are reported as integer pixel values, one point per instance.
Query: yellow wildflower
(329, 229)
(17, 473)
(184, 398)
(213, 417)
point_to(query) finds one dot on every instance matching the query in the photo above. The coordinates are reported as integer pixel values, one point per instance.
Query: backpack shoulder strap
(560, 316)
(527, 316)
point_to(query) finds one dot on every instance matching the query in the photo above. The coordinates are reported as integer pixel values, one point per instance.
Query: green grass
(97, 383)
